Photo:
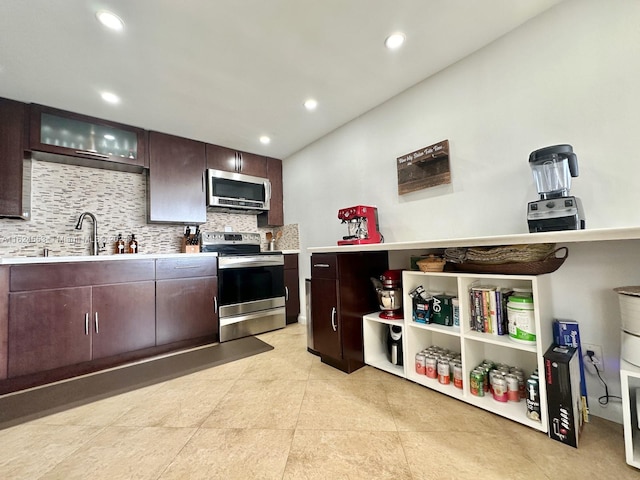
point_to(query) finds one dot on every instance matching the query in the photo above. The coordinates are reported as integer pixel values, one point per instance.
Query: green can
(476, 382)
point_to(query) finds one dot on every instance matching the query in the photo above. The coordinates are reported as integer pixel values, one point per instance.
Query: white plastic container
(630, 348)
(522, 324)
(630, 313)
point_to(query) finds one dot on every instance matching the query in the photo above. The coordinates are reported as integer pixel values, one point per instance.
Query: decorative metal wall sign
(424, 168)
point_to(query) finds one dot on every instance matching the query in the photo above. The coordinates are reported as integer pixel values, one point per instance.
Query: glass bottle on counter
(120, 246)
(133, 244)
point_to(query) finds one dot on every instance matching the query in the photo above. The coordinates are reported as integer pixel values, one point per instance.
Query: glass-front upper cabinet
(74, 135)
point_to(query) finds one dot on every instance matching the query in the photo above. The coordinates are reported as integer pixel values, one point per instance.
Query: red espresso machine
(362, 222)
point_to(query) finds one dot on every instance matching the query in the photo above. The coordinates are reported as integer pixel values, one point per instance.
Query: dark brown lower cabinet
(54, 328)
(123, 318)
(292, 287)
(185, 309)
(341, 293)
(48, 329)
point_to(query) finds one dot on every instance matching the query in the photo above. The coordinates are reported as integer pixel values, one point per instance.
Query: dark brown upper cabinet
(229, 160)
(176, 180)
(275, 216)
(15, 179)
(67, 137)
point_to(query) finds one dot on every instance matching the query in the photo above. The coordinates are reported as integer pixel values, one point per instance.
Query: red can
(431, 367)
(421, 366)
(444, 373)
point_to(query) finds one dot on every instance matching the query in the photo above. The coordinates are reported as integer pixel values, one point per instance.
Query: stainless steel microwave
(237, 193)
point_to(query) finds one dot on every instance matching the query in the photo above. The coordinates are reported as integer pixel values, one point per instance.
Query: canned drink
(444, 374)
(492, 375)
(500, 388)
(513, 390)
(533, 399)
(431, 366)
(457, 375)
(521, 385)
(476, 382)
(421, 364)
(452, 363)
(486, 385)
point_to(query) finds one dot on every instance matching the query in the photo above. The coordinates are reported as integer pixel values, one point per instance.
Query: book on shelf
(489, 309)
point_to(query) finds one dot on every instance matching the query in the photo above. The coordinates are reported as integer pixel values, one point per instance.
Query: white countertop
(102, 258)
(566, 236)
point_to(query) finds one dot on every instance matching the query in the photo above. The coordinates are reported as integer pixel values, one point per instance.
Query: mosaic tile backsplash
(60, 193)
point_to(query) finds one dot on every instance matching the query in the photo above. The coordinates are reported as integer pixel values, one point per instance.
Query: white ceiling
(228, 71)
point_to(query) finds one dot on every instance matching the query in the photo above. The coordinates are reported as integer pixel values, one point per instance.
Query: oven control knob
(551, 204)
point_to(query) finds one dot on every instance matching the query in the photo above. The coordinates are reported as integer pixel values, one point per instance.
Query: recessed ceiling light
(110, 20)
(108, 136)
(110, 97)
(311, 104)
(265, 140)
(395, 40)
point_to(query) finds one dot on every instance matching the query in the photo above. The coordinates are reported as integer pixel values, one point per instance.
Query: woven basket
(431, 264)
(550, 264)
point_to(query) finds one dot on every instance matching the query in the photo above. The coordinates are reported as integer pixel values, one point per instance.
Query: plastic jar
(522, 326)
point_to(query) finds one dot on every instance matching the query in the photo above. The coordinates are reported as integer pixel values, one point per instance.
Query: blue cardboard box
(567, 332)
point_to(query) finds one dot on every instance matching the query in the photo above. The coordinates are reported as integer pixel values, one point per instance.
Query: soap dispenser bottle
(133, 244)
(120, 246)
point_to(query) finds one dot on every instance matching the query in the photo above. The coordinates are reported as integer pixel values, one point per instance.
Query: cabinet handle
(86, 324)
(237, 163)
(96, 322)
(333, 319)
(240, 158)
(183, 267)
(321, 265)
(95, 154)
(286, 294)
(215, 304)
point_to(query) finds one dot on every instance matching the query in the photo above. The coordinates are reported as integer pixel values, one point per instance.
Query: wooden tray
(548, 265)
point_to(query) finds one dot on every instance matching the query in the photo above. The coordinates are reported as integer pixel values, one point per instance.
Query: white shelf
(630, 380)
(374, 332)
(474, 347)
(565, 236)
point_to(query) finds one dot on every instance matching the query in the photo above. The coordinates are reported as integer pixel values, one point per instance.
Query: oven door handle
(247, 262)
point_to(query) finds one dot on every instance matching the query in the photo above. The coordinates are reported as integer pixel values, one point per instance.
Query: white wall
(568, 76)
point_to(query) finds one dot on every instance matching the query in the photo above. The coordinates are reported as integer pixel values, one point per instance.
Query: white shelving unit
(473, 346)
(630, 381)
(374, 333)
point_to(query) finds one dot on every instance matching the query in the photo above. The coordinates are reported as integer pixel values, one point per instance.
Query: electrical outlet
(597, 351)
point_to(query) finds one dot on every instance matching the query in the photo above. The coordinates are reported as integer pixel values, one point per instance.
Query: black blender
(552, 169)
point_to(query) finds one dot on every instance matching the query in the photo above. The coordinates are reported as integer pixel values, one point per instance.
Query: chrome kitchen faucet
(94, 241)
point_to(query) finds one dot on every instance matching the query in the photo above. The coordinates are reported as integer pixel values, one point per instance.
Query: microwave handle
(268, 191)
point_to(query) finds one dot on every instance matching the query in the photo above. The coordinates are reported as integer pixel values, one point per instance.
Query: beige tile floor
(284, 415)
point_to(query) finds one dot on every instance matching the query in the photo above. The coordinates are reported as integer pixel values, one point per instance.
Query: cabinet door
(185, 309)
(75, 135)
(12, 142)
(123, 318)
(230, 160)
(252, 164)
(275, 216)
(292, 288)
(326, 314)
(176, 180)
(48, 329)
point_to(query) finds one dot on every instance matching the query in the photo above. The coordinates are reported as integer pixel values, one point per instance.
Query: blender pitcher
(552, 169)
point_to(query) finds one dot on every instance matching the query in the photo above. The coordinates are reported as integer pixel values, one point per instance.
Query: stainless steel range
(251, 293)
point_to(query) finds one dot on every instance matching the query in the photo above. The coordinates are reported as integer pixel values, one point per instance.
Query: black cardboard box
(564, 404)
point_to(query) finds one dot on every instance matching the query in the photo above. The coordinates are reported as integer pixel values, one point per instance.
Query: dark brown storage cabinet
(292, 287)
(176, 180)
(13, 140)
(275, 216)
(90, 141)
(230, 160)
(68, 313)
(186, 291)
(341, 293)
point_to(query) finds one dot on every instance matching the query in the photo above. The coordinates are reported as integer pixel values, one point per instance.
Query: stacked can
(503, 382)
(439, 363)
